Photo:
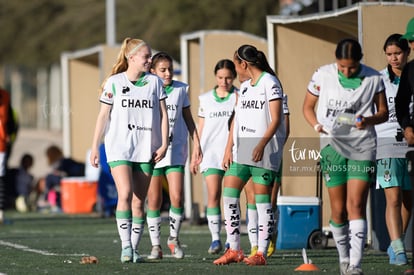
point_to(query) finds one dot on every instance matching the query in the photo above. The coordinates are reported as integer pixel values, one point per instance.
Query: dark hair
(160, 56)
(402, 43)
(254, 57)
(26, 161)
(395, 39)
(226, 64)
(348, 48)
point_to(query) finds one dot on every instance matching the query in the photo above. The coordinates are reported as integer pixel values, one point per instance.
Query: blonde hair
(128, 48)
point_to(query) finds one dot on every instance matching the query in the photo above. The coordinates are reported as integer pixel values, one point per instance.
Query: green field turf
(38, 243)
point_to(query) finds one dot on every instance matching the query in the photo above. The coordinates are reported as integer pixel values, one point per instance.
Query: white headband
(135, 49)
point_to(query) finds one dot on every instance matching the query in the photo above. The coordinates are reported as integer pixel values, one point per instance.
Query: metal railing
(299, 7)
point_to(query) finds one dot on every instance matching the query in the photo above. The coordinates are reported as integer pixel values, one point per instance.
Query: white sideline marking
(47, 253)
(28, 249)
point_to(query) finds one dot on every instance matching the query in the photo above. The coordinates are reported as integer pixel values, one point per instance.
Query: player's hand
(227, 160)
(159, 154)
(94, 158)
(257, 154)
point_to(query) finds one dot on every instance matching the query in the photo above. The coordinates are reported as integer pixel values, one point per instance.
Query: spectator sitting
(23, 181)
(61, 167)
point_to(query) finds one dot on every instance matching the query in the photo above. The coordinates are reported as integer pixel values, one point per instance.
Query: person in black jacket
(404, 98)
(404, 108)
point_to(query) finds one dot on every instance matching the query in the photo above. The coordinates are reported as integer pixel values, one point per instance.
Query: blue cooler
(298, 218)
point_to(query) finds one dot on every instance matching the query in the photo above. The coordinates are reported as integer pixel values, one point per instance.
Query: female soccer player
(133, 118)
(254, 149)
(392, 165)
(172, 166)
(348, 93)
(216, 107)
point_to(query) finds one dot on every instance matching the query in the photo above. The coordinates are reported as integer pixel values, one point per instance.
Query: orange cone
(307, 263)
(307, 267)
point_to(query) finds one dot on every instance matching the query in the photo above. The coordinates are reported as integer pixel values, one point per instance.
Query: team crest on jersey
(244, 91)
(266, 176)
(326, 175)
(387, 176)
(276, 90)
(108, 94)
(125, 90)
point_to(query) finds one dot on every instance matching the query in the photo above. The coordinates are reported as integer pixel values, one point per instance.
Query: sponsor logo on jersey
(137, 103)
(253, 104)
(138, 128)
(125, 90)
(247, 130)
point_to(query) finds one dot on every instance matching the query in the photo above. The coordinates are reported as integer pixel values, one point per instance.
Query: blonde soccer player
(133, 120)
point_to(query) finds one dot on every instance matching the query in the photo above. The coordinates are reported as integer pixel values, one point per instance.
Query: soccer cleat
(391, 254)
(175, 247)
(272, 246)
(126, 255)
(136, 258)
(230, 256)
(400, 259)
(156, 253)
(343, 267)
(353, 270)
(215, 247)
(253, 251)
(257, 259)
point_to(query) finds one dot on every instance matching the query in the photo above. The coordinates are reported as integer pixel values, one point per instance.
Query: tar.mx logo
(298, 154)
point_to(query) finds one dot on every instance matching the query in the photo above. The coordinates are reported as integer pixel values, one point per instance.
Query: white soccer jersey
(134, 129)
(176, 101)
(337, 104)
(390, 136)
(252, 119)
(216, 113)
